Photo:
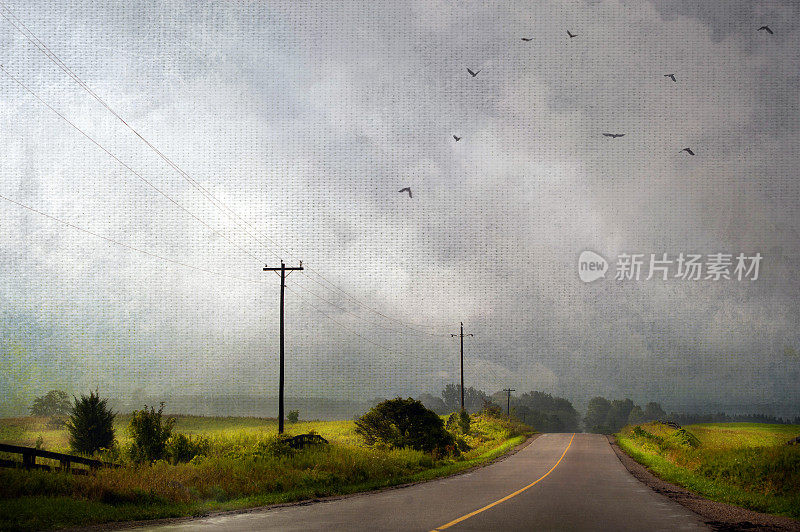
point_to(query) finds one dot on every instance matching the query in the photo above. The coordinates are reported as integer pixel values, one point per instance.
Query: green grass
(746, 464)
(234, 473)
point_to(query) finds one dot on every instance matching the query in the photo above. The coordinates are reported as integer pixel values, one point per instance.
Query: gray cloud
(307, 118)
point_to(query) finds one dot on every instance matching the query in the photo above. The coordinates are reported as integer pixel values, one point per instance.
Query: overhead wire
(123, 163)
(230, 213)
(123, 244)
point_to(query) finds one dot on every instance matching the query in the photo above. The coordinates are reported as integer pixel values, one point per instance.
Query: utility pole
(462, 335)
(508, 401)
(283, 269)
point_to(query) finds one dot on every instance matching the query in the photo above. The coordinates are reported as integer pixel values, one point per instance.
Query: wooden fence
(66, 461)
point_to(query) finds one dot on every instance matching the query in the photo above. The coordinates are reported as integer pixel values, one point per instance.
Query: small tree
(463, 422)
(404, 423)
(293, 416)
(150, 434)
(53, 403)
(90, 424)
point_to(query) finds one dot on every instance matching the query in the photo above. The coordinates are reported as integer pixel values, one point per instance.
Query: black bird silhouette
(527, 39)
(407, 189)
(571, 35)
(671, 76)
(614, 135)
(457, 138)
(473, 74)
(765, 28)
(688, 150)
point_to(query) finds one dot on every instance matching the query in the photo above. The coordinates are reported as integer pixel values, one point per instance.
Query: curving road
(559, 482)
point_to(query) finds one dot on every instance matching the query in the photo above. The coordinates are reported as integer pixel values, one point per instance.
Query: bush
(275, 446)
(181, 448)
(53, 403)
(90, 424)
(492, 409)
(463, 422)
(150, 434)
(399, 423)
(293, 416)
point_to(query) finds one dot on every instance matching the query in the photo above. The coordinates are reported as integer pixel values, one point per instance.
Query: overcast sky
(306, 118)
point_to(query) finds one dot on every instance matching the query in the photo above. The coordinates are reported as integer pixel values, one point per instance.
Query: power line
(31, 37)
(120, 161)
(230, 213)
(118, 243)
(375, 323)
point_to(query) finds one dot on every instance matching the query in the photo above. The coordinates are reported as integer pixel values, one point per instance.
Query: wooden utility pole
(283, 269)
(508, 401)
(462, 335)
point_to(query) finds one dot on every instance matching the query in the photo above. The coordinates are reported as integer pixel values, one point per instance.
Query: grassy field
(746, 464)
(236, 471)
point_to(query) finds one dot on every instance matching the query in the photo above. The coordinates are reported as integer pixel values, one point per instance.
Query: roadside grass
(236, 471)
(746, 464)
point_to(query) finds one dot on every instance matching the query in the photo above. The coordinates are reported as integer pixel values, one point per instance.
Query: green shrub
(452, 422)
(463, 422)
(275, 446)
(293, 416)
(150, 434)
(399, 423)
(492, 409)
(181, 448)
(90, 424)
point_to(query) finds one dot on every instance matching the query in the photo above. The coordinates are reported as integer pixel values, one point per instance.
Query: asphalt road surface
(559, 482)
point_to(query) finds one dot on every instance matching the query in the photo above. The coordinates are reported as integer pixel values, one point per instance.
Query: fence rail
(29, 455)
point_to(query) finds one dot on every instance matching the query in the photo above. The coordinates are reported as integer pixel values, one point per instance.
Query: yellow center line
(495, 503)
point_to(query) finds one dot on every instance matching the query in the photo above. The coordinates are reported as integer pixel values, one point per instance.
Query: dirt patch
(717, 515)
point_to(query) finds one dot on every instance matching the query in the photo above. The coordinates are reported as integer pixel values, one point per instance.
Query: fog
(305, 119)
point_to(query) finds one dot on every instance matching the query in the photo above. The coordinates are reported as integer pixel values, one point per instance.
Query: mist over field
(307, 118)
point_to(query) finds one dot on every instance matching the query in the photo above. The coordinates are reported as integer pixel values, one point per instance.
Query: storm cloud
(306, 118)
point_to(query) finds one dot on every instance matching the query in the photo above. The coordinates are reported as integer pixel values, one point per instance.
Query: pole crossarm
(508, 400)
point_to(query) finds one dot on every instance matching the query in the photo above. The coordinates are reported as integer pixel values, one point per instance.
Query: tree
(400, 423)
(150, 434)
(90, 424)
(53, 403)
(636, 416)
(434, 403)
(654, 412)
(596, 414)
(293, 416)
(473, 398)
(618, 413)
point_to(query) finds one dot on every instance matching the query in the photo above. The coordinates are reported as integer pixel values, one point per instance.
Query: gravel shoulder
(717, 515)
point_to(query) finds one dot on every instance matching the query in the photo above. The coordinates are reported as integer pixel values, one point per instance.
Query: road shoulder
(719, 516)
(177, 520)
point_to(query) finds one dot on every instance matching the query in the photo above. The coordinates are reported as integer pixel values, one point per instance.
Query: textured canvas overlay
(604, 193)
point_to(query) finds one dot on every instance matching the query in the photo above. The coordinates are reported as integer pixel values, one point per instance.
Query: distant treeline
(609, 416)
(540, 410)
(721, 417)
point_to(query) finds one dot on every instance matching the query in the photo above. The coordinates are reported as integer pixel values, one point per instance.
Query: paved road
(542, 487)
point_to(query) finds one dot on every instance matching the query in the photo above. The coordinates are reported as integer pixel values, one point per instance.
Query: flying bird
(527, 39)
(571, 35)
(614, 135)
(473, 74)
(407, 189)
(765, 28)
(671, 76)
(457, 138)
(688, 150)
